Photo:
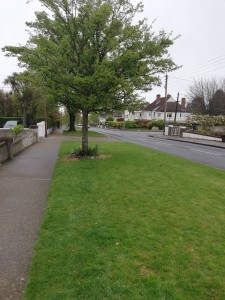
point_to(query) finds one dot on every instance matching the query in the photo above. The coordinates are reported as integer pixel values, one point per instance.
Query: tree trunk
(72, 122)
(24, 119)
(85, 130)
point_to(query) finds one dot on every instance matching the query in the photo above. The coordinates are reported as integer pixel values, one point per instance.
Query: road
(207, 155)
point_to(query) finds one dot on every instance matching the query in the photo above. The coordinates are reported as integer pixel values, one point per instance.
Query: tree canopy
(94, 51)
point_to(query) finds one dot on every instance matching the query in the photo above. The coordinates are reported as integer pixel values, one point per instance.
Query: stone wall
(10, 146)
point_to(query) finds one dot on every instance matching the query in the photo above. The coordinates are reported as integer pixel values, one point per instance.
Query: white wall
(41, 129)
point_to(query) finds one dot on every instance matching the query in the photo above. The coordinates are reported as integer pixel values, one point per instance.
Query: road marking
(206, 152)
(163, 143)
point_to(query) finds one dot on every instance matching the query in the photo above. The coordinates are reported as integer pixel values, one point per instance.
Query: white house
(155, 110)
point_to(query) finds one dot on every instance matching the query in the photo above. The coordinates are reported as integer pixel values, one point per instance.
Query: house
(155, 110)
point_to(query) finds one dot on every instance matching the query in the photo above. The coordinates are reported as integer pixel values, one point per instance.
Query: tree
(6, 105)
(93, 49)
(25, 95)
(207, 97)
(72, 110)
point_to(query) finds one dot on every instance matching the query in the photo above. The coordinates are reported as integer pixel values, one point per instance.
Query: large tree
(6, 105)
(94, 50)
(207, 97)
(25, 95)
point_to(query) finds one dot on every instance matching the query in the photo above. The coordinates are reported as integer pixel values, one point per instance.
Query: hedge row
(3, 120)
(136, 124)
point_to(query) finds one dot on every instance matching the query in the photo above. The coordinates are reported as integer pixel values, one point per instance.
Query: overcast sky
(200, 48)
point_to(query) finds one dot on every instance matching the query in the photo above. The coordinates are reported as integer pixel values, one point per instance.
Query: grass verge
(79, 133)
(138, 225)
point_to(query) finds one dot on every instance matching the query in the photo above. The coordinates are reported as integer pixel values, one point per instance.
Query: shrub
(143, 123)
(16, 130)
(156, 123)
(109, 119)
(150, 125)
(159, 124)
(79, 153)
(115, 124)
(209, 133)
(131, 124)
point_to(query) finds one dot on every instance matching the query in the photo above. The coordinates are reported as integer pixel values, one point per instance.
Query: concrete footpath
(24, 185)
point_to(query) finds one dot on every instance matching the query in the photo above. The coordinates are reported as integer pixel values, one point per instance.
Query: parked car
(11, 124)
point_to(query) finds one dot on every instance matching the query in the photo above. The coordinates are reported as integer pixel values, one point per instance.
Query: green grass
(79, 133)
(138, 225)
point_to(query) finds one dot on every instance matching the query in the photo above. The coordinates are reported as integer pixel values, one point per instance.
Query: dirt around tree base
(74, 158)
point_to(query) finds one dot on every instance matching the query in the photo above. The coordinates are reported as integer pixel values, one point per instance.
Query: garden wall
(41, 129)
(201, 137)
(10, 146)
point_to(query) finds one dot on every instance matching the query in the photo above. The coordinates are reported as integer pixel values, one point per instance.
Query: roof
(159, 105)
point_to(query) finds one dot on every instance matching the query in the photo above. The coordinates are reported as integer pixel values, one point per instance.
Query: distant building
(155, 110)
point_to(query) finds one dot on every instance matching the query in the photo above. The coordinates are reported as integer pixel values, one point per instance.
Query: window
(159, 115)
(149, 114)
(169, 115)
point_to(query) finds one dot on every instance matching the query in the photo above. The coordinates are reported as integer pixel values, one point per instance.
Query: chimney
(158, 98)
(183, 104)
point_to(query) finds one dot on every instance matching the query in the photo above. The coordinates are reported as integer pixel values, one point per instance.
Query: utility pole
(45, 116)
(175, 118)
(165, 105)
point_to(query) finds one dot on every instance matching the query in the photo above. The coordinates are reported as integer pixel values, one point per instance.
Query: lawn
(79, 133)
(137, 225)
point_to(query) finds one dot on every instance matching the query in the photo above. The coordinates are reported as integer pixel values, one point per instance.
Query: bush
(159, 124)
(16, 130)
(115, 124)
(109, 119)
(209, 133)
(156, 123)
(150, 125)
(143, 123)
(130, 124)
(79, 153)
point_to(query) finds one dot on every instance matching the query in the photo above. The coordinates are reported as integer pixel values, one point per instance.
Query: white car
(11, 124)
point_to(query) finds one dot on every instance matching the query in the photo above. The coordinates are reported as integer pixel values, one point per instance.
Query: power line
(203, 71)
(184, 79)
(223, 67)
(205, 64)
